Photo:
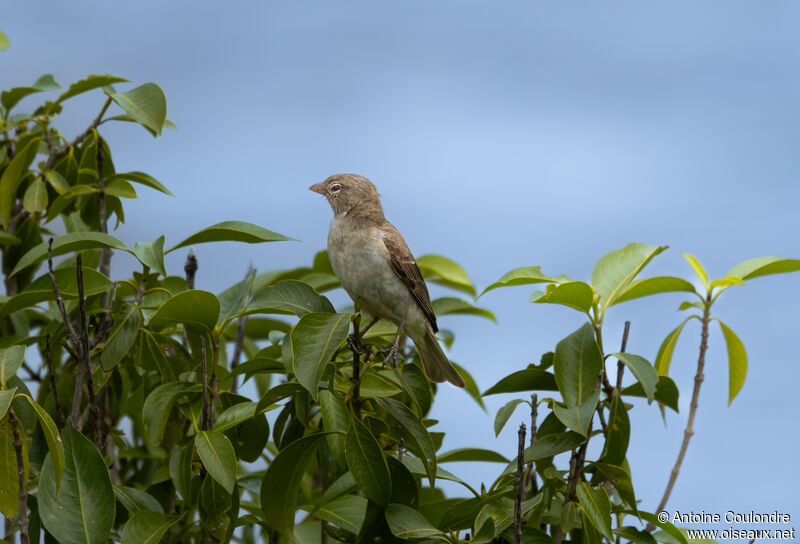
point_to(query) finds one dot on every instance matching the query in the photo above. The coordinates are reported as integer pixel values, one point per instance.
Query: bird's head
(349, 194)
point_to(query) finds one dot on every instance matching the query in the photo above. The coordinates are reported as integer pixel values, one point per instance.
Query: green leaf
(146, 104)
(280, 391)
(9, 476)
(445, 272)
(82, 511)
(10, 361)
(471, 454)
(141, 178)
(667, 527)
(450, 305)
(194, 307)
(233, 298)
(575, 294)
(336, 420)
(666, 392)
(664, 356)
(553, 444)
(180, 470)
(524, 276)
(652, 286)
(346, 512)
(151, 254)
(281, 482)
(35, 199)
(11, 97)
(51, 436)
(41, 289)
(578, 418)
(315, 339)
(7, 239)
(4, 42)
(530, 379)
(12, 177)
(147, 528)
(135, 500)
(698, 269)
(643, 370)
(156, 410)
(597, 507)
(737, 362)
(6, 396)
(232, 231)
(504, 413)
(56, 181)
(120, 188)
(414, 465)
(615, 271)
(409, 524)
(366, 463)
(619, 477)
(576, 365)
(418, 440)
(619, 434)
(67, 243)
(88, 84)
(217, 455)
(632, 534)
(763, 266)
(722, 282)
(122, 337)
(289, 296)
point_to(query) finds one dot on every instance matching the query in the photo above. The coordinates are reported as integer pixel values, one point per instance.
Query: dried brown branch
(22, 513)
(519, 484)
(620, 364)
(48, 357)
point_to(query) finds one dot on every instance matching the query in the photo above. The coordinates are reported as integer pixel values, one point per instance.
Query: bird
(378, 271)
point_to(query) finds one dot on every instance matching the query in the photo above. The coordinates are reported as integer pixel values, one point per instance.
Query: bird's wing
(406, 268)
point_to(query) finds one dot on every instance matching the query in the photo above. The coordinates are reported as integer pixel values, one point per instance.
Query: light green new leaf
(578, 418)
(194, 307)
(146, 104)
(217, 455)
(763, 266)
(141, 178)
(135, 500)
(504, 413)
(652, 286)
(35, 198)
(406, 523)
(446, 272)
(41, 289)
(82, 510)
(156, 410)
(11, 97)
(737, 362)
(12, 177)
(147, 528)
(478, 455)
(530, 379)
(9, 477)
(367, 464)
(281, 483)
(524, 276)
(645, 372)
(56, 181)
(233, 231)
(10, 361)
(724, 282)
(88, 84)
(576, 365)
(664, 356)
(451, 305)
(315, 339)
(698, 269)
(418, 439)
(289, 296)
(615, 271)
(67, 243)
(151, 254)
(575, 294)
(120, 188)
(4, 42)
(336, 420)
(595, 504)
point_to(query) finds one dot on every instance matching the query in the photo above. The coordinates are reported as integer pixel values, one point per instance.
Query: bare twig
(142, 284)
(532, 473)
(48, 357)
(519, 485)
(191, 269)
(32, 374)
(620, 364)
(22, 513)
(86, 358)
(689, 431)
(204, 370)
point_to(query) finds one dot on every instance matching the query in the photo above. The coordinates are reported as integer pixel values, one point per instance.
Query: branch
(61, 151)
(60, 301)
(49, 361)
(86, 359)
(191, 269)
(142, 284)
(519, 485)
(531, 473)
(22, 514)
(105, 325)
(357, 347)
(105, 256)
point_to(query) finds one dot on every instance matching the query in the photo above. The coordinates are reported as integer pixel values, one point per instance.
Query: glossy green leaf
(147, 528)
(56, 181)
(195, 307)
(9, 475)
(232, 299)
(576, 365)
(232, 231)
(645, 372)
(471, 454)
(12, 177)
(615, 271)
(418, 440)
(698, 269)
(409, 524)
(180, 470)
(451, 305)
(619, 434)
(151, 254)
(11, 97)
(619, 477)
(763, 266)
(315, 339)
(156, 410)
(666, 392)
(652, 286)
(10, 361)
(574, 294)
(289, 296)
(6, 396)
(336, 420)
(416, 468)
(82, 510)
(279, 392)
(346, 512)
(217, 455)
(525, 275)
(737, 362)
(721, 283)
(135, 500)
(141, 178)
(578, 418)
(504, 413)
(597, 507)
(281, 482)
(89, 83)
(35, 198)
(146, 104)
(444, 271)
(530, 379)
(67, 243)
(235, 415)
(553, 444)
(664, 356)
(120, 188)
(51, 435)
(41, 289)
(367, 464)
(122, 337)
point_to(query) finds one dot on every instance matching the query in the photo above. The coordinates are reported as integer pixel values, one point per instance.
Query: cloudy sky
(500, 134)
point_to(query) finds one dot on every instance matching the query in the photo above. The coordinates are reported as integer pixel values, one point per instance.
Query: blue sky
(500, 134)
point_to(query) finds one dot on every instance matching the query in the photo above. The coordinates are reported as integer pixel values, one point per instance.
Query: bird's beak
(318, 188)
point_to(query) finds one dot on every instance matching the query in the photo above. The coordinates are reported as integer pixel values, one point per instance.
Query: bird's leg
(356, 339)
(391, 351)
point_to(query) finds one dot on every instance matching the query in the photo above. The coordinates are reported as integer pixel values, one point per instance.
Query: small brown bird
(378, 271)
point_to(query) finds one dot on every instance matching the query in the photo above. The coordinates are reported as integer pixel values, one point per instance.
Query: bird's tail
(435, 363)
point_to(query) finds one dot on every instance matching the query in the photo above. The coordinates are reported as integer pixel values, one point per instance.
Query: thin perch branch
(519, 485)
(86, 358)
(620, 364)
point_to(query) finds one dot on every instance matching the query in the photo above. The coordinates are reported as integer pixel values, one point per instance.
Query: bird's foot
(389, 355)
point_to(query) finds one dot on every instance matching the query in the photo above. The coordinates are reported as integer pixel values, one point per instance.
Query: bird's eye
(335, 188)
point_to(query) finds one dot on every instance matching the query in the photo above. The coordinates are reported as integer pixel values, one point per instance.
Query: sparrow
(379, 272)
